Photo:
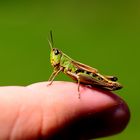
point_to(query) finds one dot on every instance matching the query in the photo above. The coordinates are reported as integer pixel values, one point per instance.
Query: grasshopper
(82, 73)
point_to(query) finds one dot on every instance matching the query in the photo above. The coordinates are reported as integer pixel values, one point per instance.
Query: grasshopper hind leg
(112, 78)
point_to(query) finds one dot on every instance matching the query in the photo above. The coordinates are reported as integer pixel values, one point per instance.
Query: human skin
(54, 112)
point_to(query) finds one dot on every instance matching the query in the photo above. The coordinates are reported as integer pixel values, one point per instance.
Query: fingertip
(96, 114)
(68, 92)
(101, 124)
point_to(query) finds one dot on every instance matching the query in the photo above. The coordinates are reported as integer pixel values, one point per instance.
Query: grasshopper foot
(49, 83)
(79, 94)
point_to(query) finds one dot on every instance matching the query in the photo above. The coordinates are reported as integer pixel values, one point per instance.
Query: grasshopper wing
(85, 67)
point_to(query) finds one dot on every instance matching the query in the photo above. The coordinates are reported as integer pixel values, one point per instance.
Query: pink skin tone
(39, 111)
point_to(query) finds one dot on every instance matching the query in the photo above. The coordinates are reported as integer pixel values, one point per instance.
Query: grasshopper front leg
(54, 74)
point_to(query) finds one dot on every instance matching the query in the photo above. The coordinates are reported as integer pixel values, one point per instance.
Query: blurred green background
(103, 34)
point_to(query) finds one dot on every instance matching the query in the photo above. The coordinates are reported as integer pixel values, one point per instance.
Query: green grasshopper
(82, 73)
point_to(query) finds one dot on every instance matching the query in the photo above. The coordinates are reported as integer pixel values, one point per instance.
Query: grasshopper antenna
(51, 40)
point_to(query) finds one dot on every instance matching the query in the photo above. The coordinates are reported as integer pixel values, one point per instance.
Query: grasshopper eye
(56, 52)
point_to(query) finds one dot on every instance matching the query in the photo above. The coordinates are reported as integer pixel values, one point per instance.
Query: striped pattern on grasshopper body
(80, 72)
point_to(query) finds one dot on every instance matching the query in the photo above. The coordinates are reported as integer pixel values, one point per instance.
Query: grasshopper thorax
(55, 56)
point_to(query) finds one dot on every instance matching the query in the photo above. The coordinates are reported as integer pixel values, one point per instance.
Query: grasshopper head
(55, 56)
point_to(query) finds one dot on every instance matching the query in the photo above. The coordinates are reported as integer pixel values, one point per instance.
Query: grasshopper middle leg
(75, 76)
